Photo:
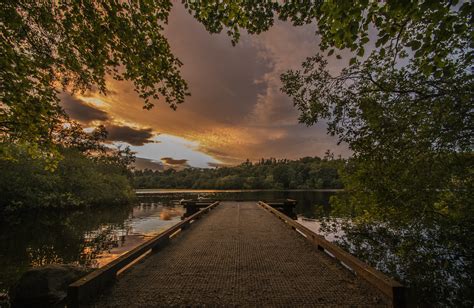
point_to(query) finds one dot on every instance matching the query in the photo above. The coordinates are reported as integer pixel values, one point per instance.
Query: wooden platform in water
(240, 255)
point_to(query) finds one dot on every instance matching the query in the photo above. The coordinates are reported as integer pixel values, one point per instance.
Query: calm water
(95, 237)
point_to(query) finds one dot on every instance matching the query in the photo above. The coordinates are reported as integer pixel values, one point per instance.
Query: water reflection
(94, 237)
(91, 238)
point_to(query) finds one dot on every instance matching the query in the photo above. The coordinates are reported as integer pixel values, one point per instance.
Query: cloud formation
(236, 109)
(81, 111)
(174, 162)
(130, 135)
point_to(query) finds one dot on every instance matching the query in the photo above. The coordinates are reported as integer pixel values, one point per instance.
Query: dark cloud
(222, 78)
(172, 161)
(80, 111)
(133, 136)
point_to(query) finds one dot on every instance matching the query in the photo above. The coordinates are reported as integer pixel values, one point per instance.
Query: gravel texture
(240, 255)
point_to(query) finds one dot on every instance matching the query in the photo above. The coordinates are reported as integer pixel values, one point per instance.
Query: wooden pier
(239, 254)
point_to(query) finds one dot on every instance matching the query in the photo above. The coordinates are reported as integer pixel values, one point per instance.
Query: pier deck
(240, 254)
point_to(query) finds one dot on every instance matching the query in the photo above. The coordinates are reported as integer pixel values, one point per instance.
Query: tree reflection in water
(61, 237)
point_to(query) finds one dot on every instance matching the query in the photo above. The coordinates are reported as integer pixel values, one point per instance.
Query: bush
(77, 180)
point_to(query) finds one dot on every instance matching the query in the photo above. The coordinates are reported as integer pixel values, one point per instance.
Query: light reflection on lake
(94, 237)
(146, 221)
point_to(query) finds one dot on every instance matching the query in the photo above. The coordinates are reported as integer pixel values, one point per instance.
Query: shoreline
(144, 191)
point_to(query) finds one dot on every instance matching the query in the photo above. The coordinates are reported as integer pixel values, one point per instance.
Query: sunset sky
(236, 110)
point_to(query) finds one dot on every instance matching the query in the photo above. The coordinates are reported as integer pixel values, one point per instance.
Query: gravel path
(239, 255)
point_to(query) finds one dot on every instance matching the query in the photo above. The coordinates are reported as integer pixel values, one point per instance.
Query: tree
(409, 125)
(49, 46)
(281, 175)
(88, 173)
(411, 170)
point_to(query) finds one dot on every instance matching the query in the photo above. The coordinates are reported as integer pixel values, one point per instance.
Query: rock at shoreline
(45, 286)
(4, 300)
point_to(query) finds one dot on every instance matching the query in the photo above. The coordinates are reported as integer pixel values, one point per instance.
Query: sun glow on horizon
(165, 145)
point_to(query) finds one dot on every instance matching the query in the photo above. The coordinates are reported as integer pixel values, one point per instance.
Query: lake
(94, 237)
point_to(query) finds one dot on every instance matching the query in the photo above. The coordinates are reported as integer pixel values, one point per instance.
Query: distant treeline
(304, 173)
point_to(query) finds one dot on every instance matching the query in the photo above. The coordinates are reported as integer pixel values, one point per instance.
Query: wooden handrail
(390, 287)
(85, 289)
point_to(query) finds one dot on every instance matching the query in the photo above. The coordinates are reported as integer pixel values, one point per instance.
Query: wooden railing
(391, 288)
(87, 288)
